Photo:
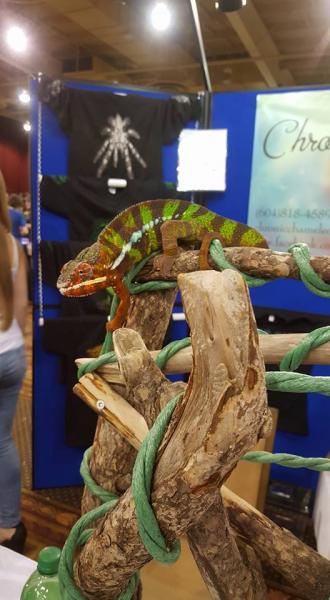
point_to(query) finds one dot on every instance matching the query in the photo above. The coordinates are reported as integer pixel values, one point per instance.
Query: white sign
(202, 160)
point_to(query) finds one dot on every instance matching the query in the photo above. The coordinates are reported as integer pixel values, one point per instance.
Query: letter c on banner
(292, 125)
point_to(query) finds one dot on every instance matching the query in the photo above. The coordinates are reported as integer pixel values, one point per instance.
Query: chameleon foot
(114, 324)
(164, 263)
(204, 263)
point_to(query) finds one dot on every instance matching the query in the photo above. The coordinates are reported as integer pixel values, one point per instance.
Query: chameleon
(141, 230)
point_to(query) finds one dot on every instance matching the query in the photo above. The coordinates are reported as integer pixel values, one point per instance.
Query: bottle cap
(48, 560)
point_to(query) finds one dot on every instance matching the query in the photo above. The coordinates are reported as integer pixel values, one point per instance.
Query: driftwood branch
(301, 567)
(258, 262)
(222, 414)
(113, 457)
(273, 348)
(230, 573)
(211, 541)
(227, 577)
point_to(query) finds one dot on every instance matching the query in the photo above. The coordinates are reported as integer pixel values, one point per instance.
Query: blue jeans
(12, 370)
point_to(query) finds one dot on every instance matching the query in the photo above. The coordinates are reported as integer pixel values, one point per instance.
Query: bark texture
(221, 563)
(258, 262)
(303, 569)
(222, 415)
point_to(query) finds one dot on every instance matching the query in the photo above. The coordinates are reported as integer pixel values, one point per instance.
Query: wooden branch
(113, 457)
(258, 262)
(212, 527)
(147, 388)
(149, 391)
(302, 568)
(93, 390)
(150, 315)
(273, 348)
(219, 559)
(222, 415)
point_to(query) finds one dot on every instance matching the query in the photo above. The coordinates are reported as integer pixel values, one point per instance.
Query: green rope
(89, 482)
(79, 535)
(297, 382)
(107, 344)
(151, 535)
(170, 350)
(288, 460)
(96, 363)
(149, 530)
(293, 359)
(312, 281)
(218, 256)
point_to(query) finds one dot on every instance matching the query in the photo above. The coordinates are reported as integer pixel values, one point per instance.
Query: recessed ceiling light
(16, 39)
(27, 126)
(161, 16)
(229, 5)
(24, 97)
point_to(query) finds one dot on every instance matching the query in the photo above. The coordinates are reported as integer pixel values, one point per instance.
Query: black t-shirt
(71, 338)
(89, 205)
(117, 135)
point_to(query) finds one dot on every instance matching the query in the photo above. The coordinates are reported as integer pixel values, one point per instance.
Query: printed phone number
(293, 213)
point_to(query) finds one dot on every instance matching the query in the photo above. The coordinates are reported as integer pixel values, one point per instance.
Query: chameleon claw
(164, 263)
(204, 263)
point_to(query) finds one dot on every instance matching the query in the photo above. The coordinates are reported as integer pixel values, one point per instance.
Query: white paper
(202, 160)
(15, 570)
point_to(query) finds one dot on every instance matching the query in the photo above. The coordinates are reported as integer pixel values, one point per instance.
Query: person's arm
(21, 290)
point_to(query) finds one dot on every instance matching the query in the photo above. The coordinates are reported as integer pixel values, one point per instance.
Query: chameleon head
(85, 274)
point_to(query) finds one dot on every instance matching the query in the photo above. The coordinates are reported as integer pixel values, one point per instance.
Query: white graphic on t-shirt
(118, 144)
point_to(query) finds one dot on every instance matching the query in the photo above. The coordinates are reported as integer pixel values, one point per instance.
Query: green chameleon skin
(141, 230)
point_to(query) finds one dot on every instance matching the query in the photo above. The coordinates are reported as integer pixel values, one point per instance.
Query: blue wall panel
(54, 463)
(236, 112)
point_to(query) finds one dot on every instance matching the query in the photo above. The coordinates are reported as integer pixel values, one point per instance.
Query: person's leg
(12, 369)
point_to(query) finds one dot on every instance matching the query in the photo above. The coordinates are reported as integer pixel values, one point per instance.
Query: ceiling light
(16, 39)
(161, 16)
(229, 5)
(24, 97)
(27, 126)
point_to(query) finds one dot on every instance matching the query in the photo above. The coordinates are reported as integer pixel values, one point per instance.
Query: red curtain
(14, 162)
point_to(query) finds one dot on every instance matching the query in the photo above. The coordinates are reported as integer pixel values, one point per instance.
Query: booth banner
(290, 179)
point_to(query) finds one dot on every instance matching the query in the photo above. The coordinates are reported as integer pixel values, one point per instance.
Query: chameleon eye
(84, 271)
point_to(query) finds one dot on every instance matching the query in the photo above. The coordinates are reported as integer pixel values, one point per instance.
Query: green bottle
(43, 584)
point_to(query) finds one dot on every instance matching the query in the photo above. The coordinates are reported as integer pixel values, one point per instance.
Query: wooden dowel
(273, 348)
(93, 390)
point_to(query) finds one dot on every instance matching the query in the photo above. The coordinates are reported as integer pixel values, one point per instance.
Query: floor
(49, 514)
